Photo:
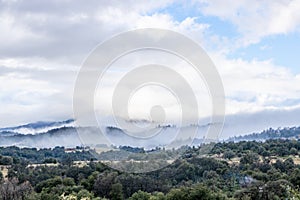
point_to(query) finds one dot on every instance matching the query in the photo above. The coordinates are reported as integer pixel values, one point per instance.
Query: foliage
(232, 170)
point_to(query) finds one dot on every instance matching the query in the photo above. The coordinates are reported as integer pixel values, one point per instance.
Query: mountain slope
(283, 133)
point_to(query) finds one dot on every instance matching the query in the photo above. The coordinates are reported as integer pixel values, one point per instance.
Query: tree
(289, 164)
(177, 194)
(103, 184)
(11, 189)
(84, 194)
(4, 160)
(249, 158)
(67, 160)
(293, 151)
(277, 189)
(198, 192)
(48, 184)
(68, 182)
(50, 160)
(140, 195)
(293, 193)
(116, 192)
(295, 177)
(228, 154)
(158, 196)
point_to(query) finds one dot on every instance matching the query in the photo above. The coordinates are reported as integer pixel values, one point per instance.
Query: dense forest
(241, 170)
(280, 133)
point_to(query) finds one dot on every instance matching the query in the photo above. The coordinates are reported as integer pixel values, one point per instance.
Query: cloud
(246, 123)
(255, 19)
(61, 29)
(43, 45)
(253, 86)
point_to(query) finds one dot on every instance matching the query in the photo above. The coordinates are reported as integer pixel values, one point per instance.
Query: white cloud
(12, 33)
(23, 98)
(256, 19)
(44, 44)
(253, 86)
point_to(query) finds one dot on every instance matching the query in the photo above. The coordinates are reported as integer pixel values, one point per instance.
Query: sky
(254, 44)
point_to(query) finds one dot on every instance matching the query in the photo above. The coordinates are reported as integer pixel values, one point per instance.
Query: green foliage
(37, 156)
(116, 192)
(50, 160)
(140, 195)
(158, 196)
(229, 154)
(198, 192)
(293, 194)
(295, 177)
(85, 194)
(103, 183)
(5, 160)
(249, 159)
(243, 170)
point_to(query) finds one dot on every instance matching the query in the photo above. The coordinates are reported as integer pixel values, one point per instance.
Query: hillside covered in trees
(243, 170)
(279, 133)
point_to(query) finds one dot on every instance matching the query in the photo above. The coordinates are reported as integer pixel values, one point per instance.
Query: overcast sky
(254, 44)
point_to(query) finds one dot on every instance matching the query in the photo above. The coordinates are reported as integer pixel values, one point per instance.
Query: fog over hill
(66, 133)
(37, 127)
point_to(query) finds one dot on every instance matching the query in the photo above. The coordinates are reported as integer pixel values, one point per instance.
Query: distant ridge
(280, 133)
(64, 133)
(36, 127)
